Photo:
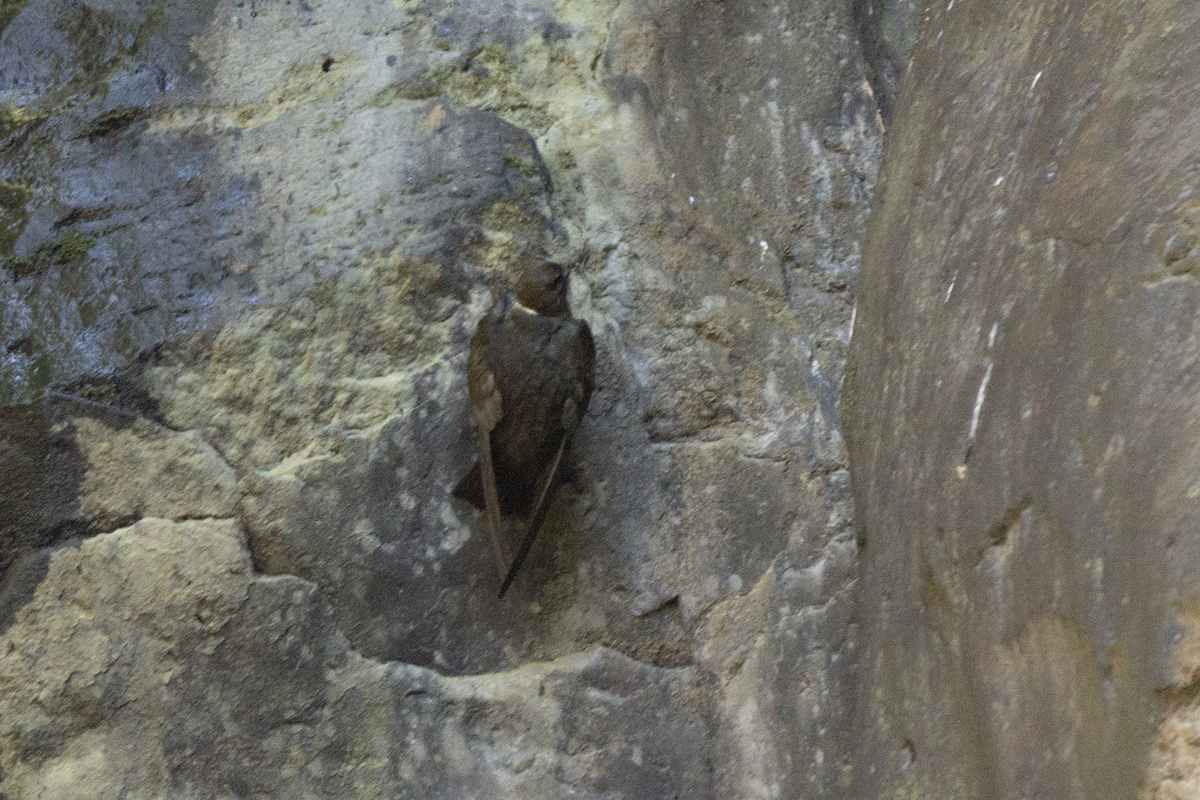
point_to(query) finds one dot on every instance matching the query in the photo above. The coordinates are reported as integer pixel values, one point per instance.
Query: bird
(530, 375)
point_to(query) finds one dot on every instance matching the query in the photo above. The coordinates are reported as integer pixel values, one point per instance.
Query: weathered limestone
(152, 661)
(254, 238)
(1021, 404)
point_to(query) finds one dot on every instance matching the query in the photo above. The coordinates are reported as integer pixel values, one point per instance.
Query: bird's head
(543, 288)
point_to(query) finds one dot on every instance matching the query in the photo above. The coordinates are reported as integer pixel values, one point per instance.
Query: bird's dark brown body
(530, 375)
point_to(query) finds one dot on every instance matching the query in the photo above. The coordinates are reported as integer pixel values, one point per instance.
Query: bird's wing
(581, 358)
(487, 406)
(486, 409)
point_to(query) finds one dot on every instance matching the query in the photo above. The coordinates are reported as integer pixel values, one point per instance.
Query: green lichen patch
(486, 81)
(13, 198)
(67, 249)
(155, 20)
(525, 166)
(486, 78)
(507, 232)
(301, 84)
(421, 87)
(507, 218)
(91, 35)
(495, 56)
(565, 160)
(17, 122)
(98, 391)
(9, 11)
(26, 153)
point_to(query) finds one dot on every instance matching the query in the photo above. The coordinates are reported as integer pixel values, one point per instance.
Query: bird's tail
(541, 506)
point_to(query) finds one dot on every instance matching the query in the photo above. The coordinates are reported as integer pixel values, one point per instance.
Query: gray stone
(1020, 405)
(180, 672)
(273, 227)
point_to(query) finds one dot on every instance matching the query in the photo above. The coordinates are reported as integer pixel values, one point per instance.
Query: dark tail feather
(535, 524)
(542, 505)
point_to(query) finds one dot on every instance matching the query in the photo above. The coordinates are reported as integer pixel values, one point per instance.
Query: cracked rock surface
(244, 248)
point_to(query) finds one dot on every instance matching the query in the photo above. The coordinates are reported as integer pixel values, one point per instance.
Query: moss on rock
(64, 250)
(13, 197)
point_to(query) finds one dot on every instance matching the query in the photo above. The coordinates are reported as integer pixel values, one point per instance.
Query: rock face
(1021, 406)
(245, 246)
(180, 668)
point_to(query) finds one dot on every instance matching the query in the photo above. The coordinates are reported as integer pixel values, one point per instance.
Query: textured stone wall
(1021, 406)
(244, 247)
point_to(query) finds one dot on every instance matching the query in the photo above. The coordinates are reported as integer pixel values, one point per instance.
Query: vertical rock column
(1021, 405)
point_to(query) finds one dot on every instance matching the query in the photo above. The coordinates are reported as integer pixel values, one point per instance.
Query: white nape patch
(987, 376)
